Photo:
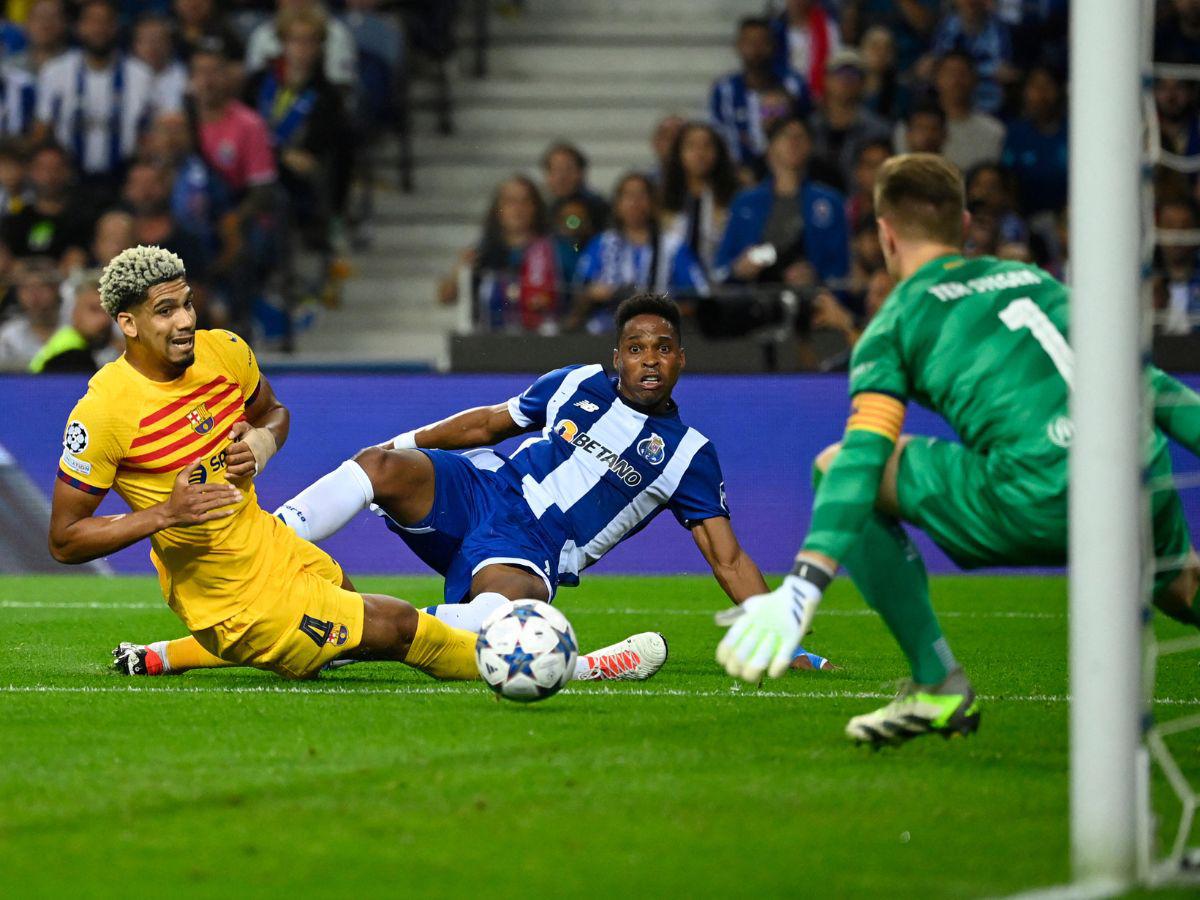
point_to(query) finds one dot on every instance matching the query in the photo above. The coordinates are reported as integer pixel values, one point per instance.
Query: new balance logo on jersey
(623, 469)
(587, 406)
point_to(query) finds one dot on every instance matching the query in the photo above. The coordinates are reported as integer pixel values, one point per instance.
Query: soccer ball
(526, 650)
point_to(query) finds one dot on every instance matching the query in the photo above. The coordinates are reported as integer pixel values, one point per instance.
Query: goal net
(1134, 757)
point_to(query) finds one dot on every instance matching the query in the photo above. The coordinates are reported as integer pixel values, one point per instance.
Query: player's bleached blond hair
(132, 272)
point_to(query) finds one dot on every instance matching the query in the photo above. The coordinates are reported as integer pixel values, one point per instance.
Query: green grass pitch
(378, 781)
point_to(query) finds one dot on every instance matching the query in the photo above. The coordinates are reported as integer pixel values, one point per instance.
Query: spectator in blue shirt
(375, 32)
(634, 255)
(565, 169)
(12, 38)
(735, 100)
(1035, 149)
(199, 198)
(1177, 270)
(47, 29)
(17, 98)
(973, 29)
(1178, 123)
(802, 222)
(990, 187)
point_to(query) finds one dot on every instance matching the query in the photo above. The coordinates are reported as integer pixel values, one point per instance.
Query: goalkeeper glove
(766, 630)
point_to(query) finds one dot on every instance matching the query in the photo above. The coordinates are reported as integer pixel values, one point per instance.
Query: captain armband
(877, 413)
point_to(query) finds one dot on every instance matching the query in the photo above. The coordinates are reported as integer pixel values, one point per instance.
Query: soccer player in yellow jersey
(179, 426)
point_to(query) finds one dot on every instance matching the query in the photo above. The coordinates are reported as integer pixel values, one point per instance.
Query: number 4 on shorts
(317, 629)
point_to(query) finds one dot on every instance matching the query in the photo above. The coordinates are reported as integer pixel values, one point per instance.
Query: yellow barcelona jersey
(134, 435)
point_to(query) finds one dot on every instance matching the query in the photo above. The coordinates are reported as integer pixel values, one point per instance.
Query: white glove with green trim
(766, 630)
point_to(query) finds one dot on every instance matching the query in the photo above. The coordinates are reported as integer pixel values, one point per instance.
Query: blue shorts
(478, 519)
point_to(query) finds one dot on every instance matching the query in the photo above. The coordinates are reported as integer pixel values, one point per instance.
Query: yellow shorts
(303, 621)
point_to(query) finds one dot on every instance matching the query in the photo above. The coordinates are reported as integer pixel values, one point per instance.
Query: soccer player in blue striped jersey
(605, 455)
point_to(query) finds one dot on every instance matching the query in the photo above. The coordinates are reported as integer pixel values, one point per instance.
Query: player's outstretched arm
(77, 535)
(731, 565)
(260, 436)
(766, 629)
(1176, 409)
(478, 427)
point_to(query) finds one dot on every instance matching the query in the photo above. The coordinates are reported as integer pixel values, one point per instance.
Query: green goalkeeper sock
(887, 569)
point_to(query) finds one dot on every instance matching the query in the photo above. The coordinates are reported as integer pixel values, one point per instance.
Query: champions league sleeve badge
(75, 440)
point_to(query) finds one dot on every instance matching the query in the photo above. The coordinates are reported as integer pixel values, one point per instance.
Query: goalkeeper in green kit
(983, 343)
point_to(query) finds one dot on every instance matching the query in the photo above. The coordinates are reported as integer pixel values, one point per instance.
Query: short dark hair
(110, 5)
(49, 146)
(783, 122)
(564, 147)
(880, 143)
(753, 22)
(152, 18)
(961, 55)
(926, 108)
(13, 149)
(648, 304)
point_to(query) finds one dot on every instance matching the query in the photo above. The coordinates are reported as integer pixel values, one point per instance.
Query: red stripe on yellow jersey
(190, 437)
(176, 404)
(150, 437)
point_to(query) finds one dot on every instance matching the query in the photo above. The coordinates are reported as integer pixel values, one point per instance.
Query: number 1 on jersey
(1024, 313)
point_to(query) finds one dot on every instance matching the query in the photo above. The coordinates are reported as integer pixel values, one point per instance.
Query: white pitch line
(606, 611)
(38, 604)
(423, 690)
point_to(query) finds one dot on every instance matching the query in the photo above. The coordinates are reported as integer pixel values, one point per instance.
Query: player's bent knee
(373, 461)
(513, 582)
(389, 625)
(394, 472)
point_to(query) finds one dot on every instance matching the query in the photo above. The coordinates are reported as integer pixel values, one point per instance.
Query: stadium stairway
(596, 72)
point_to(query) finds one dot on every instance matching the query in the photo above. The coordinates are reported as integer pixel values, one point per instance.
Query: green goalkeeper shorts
(1009, 509)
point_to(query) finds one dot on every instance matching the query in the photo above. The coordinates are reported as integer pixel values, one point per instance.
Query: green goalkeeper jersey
(980, 341)
(983, 343)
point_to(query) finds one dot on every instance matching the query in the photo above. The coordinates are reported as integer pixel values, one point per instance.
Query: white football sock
(582, 666)
(328, 504)
(468, 616)
(160, 647)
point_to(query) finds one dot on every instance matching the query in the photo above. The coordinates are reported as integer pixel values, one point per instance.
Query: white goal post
(1107, 515)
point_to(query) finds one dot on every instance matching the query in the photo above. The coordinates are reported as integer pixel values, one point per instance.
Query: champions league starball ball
(526, 650)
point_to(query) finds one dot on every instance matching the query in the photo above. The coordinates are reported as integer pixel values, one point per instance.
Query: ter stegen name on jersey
(985, 284)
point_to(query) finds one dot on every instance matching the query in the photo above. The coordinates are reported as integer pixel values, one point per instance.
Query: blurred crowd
(761, 210)
(227, 131)
(220, 130)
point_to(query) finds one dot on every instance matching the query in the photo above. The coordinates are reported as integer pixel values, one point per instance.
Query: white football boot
(634, 659)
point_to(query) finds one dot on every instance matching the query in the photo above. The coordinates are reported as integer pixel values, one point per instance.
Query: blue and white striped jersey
(600, 470)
